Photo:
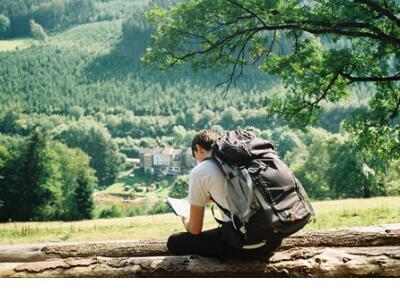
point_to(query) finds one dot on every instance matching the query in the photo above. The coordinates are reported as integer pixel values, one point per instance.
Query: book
(179, 206)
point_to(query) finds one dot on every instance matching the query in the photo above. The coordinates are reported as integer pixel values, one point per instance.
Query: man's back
(206, 178)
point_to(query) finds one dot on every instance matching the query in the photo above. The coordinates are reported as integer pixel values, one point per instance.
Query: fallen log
(383, 261)
(378, 235)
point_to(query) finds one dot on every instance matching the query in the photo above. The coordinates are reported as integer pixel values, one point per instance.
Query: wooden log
(381, 261)
(379, 235)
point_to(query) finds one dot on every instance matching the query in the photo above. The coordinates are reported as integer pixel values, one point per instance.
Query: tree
(328, 46)
(4, 156)
(205, 119)
(41, 185)
(230, 118)
(83, 197)
(350, 173)
(9, 118)
(4, 24)
(95, 140)
(37, 31)
(179, 188)
(76, 112)
(311, 164)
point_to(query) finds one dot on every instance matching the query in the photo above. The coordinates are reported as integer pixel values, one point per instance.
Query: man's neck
(208, 156)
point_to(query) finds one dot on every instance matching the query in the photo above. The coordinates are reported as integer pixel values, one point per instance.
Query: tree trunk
(347, 252)
(298, 262)
(379, 235)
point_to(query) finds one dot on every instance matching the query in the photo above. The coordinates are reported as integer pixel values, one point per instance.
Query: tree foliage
(37, 31)
(330, 45)
(41, 179)
(4, 25)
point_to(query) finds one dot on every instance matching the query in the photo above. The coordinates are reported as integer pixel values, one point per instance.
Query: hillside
(84, 86)
(83, 66)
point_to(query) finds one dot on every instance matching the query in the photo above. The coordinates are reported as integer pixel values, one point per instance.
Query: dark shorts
(211, 243)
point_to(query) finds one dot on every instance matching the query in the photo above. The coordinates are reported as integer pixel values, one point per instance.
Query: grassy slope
(330, 214)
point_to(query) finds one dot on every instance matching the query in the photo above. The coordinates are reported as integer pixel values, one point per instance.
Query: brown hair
(205, 139)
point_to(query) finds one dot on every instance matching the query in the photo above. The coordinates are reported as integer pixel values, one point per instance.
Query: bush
(160, 207)
(108, 213)
(179, 188)
(37, 31)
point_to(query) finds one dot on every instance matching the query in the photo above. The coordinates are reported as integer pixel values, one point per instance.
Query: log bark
(298, 262)
(348, 252)
(379, 235)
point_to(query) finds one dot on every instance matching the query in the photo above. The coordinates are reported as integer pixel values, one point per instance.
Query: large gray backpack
(265, 200)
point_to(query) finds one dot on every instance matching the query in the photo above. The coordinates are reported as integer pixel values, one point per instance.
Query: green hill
(84, 66)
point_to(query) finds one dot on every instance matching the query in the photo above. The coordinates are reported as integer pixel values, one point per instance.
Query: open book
(179, 206)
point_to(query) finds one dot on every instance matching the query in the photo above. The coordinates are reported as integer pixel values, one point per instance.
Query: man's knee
(173, 243)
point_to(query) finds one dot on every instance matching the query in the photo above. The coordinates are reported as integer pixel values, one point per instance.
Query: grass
(152, 195)
(11, 45)
(330, 214)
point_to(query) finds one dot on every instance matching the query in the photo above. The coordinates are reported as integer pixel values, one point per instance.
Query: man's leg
(207, 243)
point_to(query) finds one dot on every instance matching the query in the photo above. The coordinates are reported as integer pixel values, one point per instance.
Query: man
(206, 182)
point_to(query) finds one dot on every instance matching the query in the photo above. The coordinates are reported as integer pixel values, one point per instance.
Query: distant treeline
(15, 15)
(50, 14)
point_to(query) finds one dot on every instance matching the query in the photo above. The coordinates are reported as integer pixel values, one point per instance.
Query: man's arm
(194, 223)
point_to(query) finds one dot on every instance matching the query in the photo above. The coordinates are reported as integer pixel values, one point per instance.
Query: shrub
(37, 31)
(160, 207)
(112, 212)
(179, 188)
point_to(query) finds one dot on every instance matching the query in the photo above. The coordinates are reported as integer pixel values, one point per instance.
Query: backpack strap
(215, 218)
(224, 210)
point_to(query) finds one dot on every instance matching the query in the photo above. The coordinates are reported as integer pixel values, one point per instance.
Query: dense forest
(78, 100)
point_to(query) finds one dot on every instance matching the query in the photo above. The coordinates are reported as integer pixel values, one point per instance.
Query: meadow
(330, 214)
(15, 44)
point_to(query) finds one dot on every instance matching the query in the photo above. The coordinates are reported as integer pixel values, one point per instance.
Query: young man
(206, 180)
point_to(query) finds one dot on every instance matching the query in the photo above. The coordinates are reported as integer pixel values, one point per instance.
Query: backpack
(265, 200)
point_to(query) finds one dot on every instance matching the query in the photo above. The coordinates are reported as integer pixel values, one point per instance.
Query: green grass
(151, 196)
(11, 45)
(330, 214)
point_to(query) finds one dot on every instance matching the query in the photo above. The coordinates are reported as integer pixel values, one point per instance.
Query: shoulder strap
(224, 210)
(215, 218)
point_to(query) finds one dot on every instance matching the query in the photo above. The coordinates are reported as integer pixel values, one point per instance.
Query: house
(146, 160)
(166, 161)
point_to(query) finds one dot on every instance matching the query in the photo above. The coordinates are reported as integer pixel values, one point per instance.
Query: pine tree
(83, 196)
(41, 184)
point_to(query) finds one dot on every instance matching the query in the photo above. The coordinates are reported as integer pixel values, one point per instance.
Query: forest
(80, 99)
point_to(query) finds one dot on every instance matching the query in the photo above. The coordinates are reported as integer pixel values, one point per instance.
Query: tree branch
(370, 78)
(378, 8)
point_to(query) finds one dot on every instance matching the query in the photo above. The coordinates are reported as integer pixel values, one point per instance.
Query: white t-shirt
(206, 178)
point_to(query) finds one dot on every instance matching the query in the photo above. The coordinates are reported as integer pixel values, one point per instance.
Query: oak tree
(318, 49)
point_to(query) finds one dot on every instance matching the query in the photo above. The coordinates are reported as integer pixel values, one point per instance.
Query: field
(12, 45)
(330, 214)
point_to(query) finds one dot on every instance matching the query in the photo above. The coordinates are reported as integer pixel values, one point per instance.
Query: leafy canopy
(318, 48)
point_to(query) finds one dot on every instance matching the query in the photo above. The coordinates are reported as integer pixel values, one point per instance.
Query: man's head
(202, 144)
